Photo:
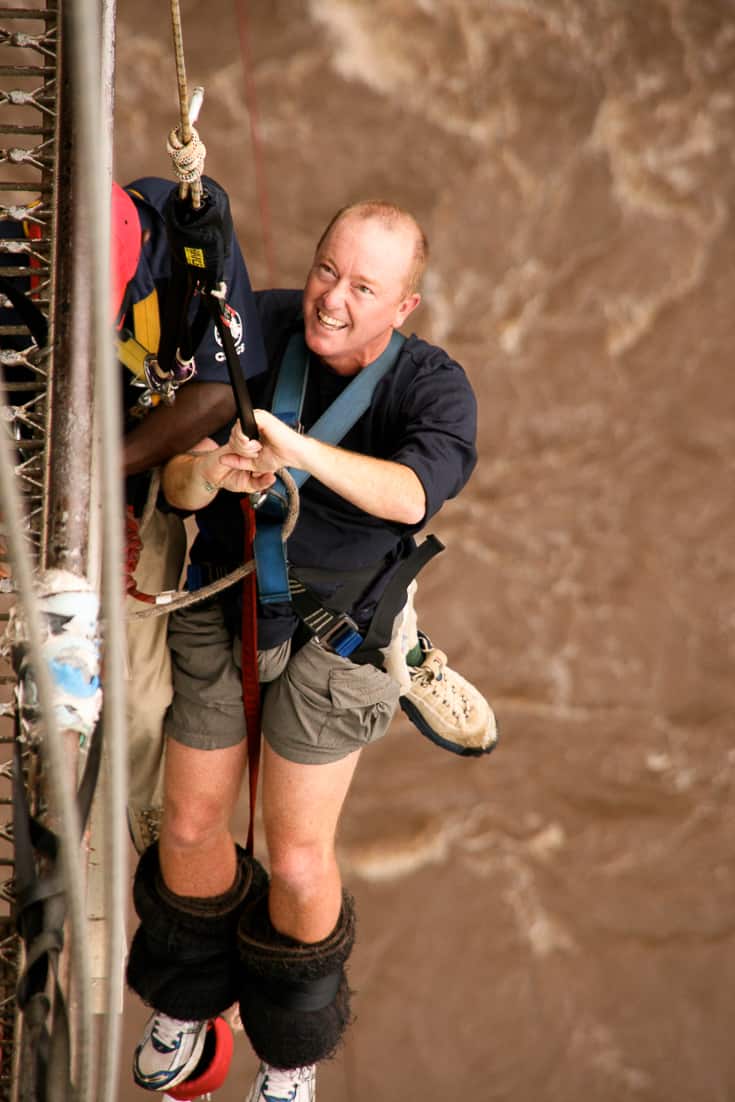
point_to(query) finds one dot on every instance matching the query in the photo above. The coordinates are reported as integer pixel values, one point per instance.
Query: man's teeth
(330, 322)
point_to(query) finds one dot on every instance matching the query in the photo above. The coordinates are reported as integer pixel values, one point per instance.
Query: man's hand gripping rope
(210, 469)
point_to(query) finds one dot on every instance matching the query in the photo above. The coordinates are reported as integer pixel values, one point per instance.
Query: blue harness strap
(330, 428)
(288, 397)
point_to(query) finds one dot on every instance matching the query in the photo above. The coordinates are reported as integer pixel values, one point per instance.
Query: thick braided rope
(188, 160)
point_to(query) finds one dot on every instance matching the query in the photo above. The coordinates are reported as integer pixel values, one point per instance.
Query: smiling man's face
(355, 294)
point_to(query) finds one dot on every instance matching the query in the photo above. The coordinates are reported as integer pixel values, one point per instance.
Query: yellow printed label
(195, 257)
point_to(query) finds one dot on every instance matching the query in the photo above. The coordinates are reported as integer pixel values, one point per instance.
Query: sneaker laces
(281, 1079)
(166, 1032)
(431, 673)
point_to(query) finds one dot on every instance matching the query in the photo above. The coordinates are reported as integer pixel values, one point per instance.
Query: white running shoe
(168, 1052)
(446, 708)
(275, 1085)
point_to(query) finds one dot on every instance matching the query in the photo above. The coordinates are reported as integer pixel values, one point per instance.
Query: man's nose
(334, 295)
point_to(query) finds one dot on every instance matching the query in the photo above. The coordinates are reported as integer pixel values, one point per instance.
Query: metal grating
(28, 139)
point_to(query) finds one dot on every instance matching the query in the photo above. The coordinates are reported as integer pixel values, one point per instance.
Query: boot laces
(432, 672)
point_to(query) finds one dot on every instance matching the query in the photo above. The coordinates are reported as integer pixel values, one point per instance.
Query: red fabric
(33, 232)
(133, 547)
(125, 241)
(250, 684)
(215, 1073)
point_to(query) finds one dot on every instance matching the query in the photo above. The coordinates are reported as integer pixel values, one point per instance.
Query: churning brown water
(554, 922)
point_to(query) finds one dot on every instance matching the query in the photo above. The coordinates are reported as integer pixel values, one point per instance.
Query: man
(440, 702)
(154, 431)
(214, 927)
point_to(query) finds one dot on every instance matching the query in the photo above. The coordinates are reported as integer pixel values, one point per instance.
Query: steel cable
(95, 158)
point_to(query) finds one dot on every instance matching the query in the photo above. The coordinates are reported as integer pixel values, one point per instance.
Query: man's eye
(364, 289)
(326, 268)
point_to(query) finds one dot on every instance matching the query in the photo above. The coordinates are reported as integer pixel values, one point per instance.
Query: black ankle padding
(281, 976)
(184, 958)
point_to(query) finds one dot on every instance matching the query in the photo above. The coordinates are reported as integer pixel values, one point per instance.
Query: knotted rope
(184, 146)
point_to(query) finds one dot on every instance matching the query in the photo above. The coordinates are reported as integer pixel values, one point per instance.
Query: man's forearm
(192, 480)
(186, 484)
(377, 486)
(380, 487)
(199, 410)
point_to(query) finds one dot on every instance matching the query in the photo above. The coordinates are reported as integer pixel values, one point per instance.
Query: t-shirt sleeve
(438, 416)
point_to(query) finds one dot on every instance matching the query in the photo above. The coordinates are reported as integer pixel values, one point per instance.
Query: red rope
(251, 101)
(250, 685)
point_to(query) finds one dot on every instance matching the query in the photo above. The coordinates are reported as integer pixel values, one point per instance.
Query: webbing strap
(250, 684)
(349, 406)
(270, 555)
(240, 392)
(330, 428)
(147, 321)
(132, 354)
(288, 397)
(390, 602)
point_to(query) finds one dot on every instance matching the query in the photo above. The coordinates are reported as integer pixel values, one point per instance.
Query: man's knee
(301, 868)
(191, 823)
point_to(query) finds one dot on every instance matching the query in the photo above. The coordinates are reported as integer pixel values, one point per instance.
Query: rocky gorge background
(554, 921)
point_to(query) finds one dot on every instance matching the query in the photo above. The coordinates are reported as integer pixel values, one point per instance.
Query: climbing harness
(277, 583)
(274, 584)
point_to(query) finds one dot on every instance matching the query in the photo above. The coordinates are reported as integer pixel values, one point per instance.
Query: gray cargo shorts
(316, 706)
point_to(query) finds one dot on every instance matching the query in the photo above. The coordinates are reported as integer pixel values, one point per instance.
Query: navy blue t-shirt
(150, 195)
(423, 415)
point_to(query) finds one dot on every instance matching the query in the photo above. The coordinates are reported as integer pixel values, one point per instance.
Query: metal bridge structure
(59, 401)
(29, 137)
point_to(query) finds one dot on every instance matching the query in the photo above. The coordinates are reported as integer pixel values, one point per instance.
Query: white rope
(185, 147)
(188, 159)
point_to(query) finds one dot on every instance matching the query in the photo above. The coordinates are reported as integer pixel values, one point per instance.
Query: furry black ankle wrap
(184, 956)
(294, 1000)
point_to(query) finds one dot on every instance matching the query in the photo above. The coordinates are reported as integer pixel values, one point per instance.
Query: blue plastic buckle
(342, 637)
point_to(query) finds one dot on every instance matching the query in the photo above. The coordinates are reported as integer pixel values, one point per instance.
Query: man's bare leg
(301, 809)
(196, 848)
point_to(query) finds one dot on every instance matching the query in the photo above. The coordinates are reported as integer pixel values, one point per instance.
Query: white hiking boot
(168, 1052)
(446, 708)
(275, 1085)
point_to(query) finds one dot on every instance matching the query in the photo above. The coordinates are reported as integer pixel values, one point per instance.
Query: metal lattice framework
(28, 141)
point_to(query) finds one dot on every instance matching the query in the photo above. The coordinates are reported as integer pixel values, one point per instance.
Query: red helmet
(125, 235)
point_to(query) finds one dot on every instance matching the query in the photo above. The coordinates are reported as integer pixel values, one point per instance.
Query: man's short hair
(391, 215)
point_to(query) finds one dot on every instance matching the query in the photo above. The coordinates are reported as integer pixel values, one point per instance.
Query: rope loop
(188, 159)
(163, 603)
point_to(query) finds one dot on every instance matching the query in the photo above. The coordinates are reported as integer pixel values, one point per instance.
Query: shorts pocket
(324, 707)
(363, 702)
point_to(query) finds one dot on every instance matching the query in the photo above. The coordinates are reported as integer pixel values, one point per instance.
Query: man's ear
(407, 307)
